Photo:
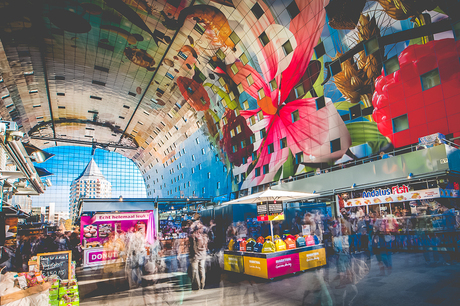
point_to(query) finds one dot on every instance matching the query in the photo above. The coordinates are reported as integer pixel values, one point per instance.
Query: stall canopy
(110, 205)
(274, 195)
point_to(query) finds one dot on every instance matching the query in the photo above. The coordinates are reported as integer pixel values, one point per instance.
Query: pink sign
(98, 257)
(283, 265)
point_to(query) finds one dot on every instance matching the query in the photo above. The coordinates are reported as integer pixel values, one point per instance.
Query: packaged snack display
(231, 245)
(250, 245)
(260, 240)
(280, 245)
(269, 247)
(258, 247)
(290, 243)
(310, 240)
(242, 245)
(300, 242)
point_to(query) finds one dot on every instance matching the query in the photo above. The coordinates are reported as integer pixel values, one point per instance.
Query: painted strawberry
(401, 93)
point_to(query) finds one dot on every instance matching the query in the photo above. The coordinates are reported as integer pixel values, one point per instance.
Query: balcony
(374, 171)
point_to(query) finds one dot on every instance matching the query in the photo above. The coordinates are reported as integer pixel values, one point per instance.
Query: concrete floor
(411, 282)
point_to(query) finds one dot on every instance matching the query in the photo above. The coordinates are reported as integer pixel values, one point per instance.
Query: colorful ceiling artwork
(230, 94)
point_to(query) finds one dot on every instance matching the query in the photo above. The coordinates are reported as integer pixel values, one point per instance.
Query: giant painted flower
(299, 126)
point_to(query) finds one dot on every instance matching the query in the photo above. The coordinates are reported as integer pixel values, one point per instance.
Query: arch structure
(213, 97)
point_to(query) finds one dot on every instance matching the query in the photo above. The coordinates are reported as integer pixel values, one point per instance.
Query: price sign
(262, 209)
(55, 263)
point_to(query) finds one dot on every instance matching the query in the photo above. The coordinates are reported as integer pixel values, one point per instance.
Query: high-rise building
(90, 184)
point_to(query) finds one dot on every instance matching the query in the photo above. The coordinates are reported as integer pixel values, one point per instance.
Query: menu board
(270, 211)
(55, 263)
(262, 208)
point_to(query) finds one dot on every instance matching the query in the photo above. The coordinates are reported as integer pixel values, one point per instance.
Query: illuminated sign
(387, 191)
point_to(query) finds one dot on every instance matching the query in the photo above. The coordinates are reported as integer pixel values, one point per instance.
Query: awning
(274, 195)
(117, 205)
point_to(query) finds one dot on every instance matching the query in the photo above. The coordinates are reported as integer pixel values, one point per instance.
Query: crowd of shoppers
(29, 246)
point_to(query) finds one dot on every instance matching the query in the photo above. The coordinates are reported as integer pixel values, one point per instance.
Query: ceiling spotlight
(410, 176)
(353, 186)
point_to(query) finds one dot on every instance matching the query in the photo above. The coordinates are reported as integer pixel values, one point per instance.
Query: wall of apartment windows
(69, 162)
(198, 169)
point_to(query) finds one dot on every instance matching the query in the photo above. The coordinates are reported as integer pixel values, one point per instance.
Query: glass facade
(69, 162)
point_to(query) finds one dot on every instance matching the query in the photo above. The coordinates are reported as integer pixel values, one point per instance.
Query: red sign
(283, 265)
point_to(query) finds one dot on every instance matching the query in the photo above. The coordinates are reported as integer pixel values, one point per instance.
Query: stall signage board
(233, 263)
(282, 265)
(270, 211)
(312, 259)
(120, 217)
(98, 257)
(400, 197)
(255, 266)
(56, 263)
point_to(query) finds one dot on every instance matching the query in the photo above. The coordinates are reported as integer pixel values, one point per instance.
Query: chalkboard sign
(55, 263)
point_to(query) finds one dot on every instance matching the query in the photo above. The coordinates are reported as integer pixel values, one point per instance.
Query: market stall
(271, 265)
(103, 221)
(397, 200)
(50, 281)
(272, 256)
(97, 230)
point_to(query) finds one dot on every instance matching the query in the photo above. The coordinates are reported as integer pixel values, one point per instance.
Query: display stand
(8, 298)
(271, 265)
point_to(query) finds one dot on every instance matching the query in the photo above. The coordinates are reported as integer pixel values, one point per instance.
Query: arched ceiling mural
(255, 77)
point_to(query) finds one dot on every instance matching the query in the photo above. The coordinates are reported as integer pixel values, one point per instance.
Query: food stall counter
(271, 265)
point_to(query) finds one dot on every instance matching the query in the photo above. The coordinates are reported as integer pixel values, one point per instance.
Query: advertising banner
(98, 257)
(283, 265)
(387, 196)
(121, 217)
(312, 259)
(255, 266)
(233, 263)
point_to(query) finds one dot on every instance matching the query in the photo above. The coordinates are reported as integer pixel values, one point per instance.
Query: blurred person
(295, 227)
(62, 242)
(380, 246)
(212, 237)
(242, 230)
(198, 244)
(135, 257)
(75, 247)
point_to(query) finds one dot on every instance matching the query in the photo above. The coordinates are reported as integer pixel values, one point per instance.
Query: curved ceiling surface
(276, 87)
(108, 71)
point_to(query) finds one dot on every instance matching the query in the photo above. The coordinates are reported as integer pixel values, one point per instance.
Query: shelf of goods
(271, 265)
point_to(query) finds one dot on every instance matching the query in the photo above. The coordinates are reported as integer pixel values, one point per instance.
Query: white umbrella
(273, 195)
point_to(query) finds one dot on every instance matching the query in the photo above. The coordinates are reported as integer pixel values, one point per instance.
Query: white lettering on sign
(387, 191)
(119, 217)
(283, 260)
(254, 262)
(312, 256)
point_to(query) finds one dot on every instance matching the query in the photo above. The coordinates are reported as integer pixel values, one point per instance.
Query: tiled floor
(411, 282)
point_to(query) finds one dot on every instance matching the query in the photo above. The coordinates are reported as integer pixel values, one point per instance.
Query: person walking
(198, 243)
